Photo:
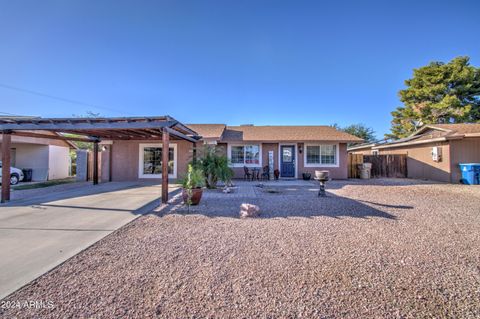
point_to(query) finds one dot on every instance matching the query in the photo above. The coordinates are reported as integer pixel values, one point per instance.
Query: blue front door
(287, 161)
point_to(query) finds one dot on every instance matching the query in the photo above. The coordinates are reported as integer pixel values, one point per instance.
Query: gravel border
(396, 249)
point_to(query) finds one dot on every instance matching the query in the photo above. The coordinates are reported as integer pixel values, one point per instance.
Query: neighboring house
(294, 150)
(364, 149)
(48, 158)
(434, 152)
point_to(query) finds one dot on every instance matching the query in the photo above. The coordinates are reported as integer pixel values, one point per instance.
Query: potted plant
(192, 186)
(306, 176)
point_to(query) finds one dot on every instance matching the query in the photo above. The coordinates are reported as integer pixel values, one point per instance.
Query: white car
(16, 175)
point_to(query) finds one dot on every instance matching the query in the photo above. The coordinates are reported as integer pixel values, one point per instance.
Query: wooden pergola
(93, 130)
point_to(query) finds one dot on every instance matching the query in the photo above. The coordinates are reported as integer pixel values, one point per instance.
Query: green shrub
(214, 166)
(193, 179)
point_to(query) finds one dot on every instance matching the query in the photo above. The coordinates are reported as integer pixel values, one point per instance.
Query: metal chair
(266, 173)
(247, 175)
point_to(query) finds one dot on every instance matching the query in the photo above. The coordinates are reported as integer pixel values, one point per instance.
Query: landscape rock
(227, 190)
(249, 210)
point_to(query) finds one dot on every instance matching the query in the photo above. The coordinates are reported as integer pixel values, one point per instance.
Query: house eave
(432, 140)
(289, 141)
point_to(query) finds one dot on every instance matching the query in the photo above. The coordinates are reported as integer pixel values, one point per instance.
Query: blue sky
(234, 62)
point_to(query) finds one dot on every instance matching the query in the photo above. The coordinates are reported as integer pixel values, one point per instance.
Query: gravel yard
(383, 248)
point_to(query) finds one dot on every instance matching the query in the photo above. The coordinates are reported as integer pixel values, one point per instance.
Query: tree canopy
(359, 130)
(438, 93)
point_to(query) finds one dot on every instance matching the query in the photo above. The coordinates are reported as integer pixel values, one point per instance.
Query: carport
(94, 130)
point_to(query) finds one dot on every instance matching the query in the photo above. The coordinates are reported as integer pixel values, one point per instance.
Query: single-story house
(48, 158)
(131, 147)
(292, 150)
(434, 152)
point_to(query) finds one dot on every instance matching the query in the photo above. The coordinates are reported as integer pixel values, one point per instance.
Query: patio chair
(266, 173)
(247, 175)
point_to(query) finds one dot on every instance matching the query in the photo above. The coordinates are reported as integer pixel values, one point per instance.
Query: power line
(58, 98)
(9, 114)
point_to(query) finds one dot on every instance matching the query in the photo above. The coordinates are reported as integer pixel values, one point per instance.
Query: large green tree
(438, 93)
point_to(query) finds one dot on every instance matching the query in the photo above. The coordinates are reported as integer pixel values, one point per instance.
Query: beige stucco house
(434, 152)
(292, 150)
(48, 158)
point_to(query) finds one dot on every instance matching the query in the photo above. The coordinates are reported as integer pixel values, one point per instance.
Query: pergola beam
(75, 126)
(179, 135)
(165, 152)
(125, 135)
(53, 137)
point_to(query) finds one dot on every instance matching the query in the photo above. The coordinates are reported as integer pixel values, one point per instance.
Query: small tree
(193, 179)
(359, 130)
(362, 131)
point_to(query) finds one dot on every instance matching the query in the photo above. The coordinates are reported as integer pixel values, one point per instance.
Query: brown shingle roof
(435, 132)
(461, 128)
(208, 130)
(287, 133)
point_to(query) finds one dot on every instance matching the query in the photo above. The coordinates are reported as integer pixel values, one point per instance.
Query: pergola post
(165, 152)
(95, 162)
(194, 153)
(6, 145)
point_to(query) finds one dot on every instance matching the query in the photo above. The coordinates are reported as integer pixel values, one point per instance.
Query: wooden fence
(382, 165)
(353, 161)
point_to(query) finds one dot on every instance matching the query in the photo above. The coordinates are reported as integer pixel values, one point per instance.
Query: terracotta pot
(196, 196)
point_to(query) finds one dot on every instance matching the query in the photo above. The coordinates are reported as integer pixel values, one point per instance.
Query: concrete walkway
(37, 234)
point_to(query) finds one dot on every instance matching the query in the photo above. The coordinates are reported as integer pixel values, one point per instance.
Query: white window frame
(337, 155)
(141, 158)
(229, 155)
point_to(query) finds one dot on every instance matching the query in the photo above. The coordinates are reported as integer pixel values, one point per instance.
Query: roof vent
(246, 124)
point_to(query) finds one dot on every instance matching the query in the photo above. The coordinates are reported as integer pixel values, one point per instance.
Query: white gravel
(384, 248)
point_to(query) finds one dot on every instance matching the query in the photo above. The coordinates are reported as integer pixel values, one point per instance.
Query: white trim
(362, 146)
(295, 146)
(429, 126)
(140, 160)
(433, 140)
(337, 155)
(229, 154)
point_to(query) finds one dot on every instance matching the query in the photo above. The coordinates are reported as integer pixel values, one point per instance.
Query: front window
(321, 155)
(252, 154)
(245, 155)
(238, 155)
(151, 161)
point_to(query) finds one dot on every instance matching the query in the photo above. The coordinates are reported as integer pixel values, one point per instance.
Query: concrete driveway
(37, 234)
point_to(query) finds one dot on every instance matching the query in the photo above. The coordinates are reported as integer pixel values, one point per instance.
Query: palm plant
(214, 165)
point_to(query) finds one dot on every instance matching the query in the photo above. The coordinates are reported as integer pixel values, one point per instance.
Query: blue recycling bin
(470, 173)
